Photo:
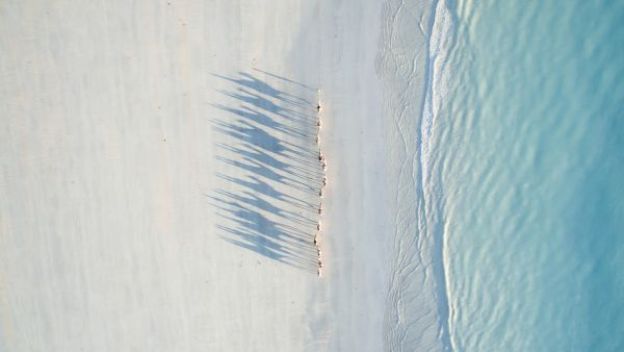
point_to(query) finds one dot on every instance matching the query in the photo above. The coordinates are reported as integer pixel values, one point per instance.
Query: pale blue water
(530, 156)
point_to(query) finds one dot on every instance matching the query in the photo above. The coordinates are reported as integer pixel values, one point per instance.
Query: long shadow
(270, 167)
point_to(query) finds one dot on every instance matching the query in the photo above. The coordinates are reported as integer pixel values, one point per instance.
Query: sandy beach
(163, 188)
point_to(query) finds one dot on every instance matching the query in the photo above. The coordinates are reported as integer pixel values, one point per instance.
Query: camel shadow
(269, 168)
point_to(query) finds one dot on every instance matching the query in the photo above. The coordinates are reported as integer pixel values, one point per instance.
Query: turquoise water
(530, 158)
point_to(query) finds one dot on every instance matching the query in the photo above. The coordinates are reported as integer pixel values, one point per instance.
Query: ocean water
(523, 154)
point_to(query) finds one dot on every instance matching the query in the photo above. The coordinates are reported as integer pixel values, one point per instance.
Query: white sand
(157, 195)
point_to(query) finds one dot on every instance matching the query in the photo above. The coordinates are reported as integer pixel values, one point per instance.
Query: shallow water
(526, 168)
